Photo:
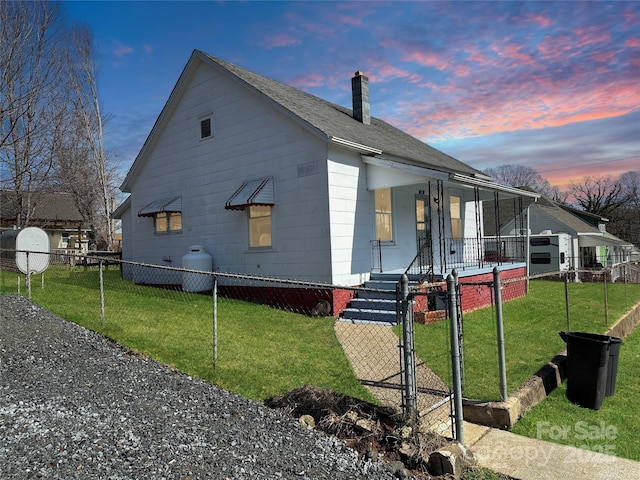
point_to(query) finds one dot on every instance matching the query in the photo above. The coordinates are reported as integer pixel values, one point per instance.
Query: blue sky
(551, 85)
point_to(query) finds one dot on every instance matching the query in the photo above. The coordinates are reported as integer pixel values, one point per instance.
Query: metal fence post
(454, 272)
(566, 300)
(101, 295)
(606, 298)
(28, 277)
(500, 332)
(215, 322)
(455, 358)
(411, 392)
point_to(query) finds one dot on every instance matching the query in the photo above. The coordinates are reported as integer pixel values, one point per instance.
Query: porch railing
(484, 252)
(465, 254)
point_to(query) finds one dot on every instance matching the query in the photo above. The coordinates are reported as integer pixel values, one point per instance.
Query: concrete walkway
(532, 459)
(373, 352)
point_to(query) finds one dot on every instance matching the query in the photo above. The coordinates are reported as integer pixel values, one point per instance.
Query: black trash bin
(587, 364)
(612, 367)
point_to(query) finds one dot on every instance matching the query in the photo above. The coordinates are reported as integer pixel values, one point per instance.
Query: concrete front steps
(376, 302)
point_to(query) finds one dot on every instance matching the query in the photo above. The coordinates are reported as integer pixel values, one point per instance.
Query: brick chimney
(360, 93)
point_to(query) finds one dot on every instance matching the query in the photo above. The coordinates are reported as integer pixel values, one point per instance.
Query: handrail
(426, 244)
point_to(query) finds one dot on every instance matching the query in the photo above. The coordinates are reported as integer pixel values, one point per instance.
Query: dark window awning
(255, 192)
(169, 205)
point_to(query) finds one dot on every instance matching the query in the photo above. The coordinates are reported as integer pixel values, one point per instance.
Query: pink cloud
(122, 50)
(309, 80)
(385, 72)
(603, 57)
(428, 59)
(513, 53)
(542, 20)
(558, 47)
(506, 107)
(281, 40)
(591, 35)
(148, 48)
(350, 20)
(633, 43)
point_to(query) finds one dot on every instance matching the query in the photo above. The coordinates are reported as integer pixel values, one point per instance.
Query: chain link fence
(374, 327)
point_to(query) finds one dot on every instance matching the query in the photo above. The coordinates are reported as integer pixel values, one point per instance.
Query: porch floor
(462, 269)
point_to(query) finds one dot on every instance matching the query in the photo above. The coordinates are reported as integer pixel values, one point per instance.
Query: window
(259, 226)
(456, 217)
(541, 258)
(384, 219)
(539, 241)
(205, 128)
(168, 222)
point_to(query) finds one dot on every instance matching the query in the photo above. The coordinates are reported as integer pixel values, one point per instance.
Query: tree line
(616, 199)
(51, 123)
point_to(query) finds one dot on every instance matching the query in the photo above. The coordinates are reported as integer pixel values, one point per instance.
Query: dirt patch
(375, 432)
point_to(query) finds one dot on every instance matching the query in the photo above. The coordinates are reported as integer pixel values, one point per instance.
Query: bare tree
(625, 220)
(630, 182)
(30, 79)
(84, 164)
(598, 195)
(522, 176)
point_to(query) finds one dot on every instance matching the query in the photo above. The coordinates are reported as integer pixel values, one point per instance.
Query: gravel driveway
(74, 405)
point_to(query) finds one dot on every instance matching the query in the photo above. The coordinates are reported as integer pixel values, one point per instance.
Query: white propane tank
(197, 259)
(33, 243)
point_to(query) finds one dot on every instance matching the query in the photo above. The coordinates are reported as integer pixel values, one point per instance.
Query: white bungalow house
(275, 182)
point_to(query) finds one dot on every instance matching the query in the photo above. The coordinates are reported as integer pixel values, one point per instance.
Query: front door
(423, 233)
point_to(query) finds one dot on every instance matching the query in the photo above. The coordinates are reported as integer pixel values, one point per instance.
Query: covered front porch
(430, 222)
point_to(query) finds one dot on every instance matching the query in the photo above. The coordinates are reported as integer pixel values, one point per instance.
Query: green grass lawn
(614, 429)
(262, 351)
(531, 326)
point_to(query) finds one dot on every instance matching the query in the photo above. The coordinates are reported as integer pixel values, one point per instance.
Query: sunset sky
(550, 85)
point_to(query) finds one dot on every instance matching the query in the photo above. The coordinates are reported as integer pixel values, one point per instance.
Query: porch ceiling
(383, 173)
(600, 240)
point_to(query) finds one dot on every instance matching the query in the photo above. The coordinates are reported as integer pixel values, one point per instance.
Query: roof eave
(480, 182)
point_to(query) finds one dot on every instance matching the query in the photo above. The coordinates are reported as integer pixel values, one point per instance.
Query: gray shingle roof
(569, 219)
(337, 121)
(47, 207)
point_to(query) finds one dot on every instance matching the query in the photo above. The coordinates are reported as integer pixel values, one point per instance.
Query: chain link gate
(384, 359)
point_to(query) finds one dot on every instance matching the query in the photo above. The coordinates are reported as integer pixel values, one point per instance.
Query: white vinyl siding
(252, 140)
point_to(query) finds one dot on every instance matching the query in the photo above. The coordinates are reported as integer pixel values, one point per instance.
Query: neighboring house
(564, 238)
(55, 213)
(273, 181)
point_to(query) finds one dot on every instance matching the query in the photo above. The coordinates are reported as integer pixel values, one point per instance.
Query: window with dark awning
(165, 205)
(255, 192)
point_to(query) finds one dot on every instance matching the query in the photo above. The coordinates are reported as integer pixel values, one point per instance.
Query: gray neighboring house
(563, 238)
(55, 213)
